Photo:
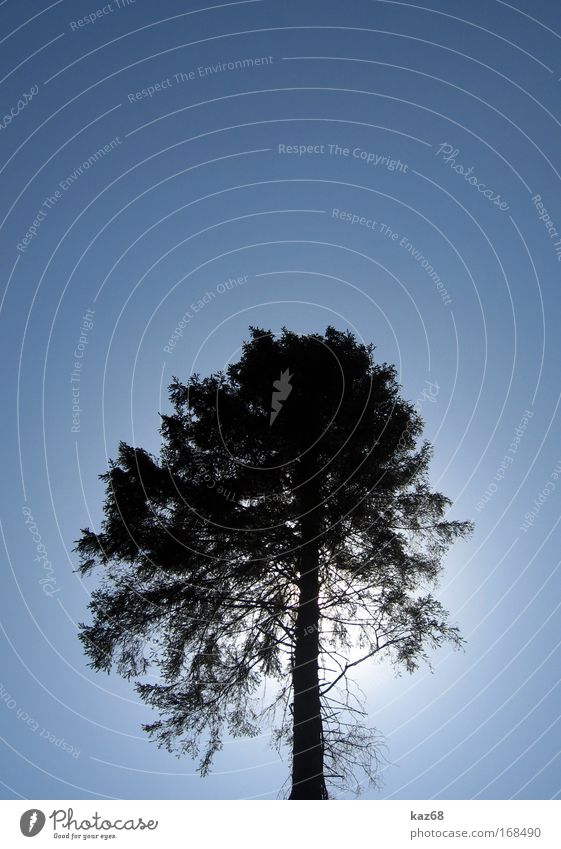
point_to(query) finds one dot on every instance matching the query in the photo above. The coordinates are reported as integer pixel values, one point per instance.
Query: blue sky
(379, 166)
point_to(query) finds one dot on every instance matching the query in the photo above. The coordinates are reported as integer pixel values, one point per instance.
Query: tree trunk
(307, 750)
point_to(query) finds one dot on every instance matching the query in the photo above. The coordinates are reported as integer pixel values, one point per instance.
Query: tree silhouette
(286, 533)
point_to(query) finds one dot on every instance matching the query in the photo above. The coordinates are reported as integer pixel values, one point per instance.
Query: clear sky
(174, 172)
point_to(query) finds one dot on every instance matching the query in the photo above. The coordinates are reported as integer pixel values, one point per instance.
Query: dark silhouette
(286, 534)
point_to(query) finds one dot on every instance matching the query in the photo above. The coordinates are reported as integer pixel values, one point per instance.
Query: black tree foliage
(286, 533)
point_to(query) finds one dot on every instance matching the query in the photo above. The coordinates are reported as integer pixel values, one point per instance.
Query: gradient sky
(190, 190)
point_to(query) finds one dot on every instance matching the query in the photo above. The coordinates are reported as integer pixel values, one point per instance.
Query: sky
(174, 172)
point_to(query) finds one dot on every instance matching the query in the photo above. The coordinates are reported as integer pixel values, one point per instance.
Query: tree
(286, 533)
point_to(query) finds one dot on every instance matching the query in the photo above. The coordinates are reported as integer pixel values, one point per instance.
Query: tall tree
(286, 533)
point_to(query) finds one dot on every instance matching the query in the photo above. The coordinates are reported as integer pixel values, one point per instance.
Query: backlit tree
(286, 533)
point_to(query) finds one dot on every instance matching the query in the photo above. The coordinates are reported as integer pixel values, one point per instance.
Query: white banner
(276, 825)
